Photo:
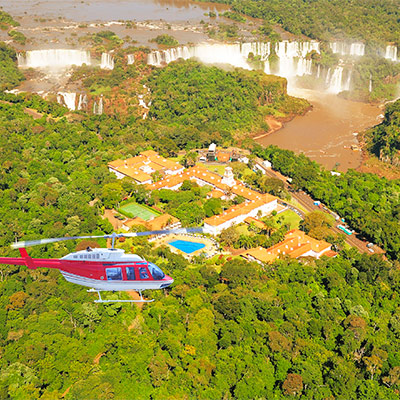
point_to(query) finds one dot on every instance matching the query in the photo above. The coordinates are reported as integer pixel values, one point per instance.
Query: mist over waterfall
(56, 58)
(107, 61)
(391, 53)
(348, 49)
(292, 55)
(68, 99)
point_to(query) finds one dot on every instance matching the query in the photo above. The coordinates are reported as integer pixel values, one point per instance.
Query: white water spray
(391, 53)
(107, 61)
(348, 49)
(67, 98)
(53, 58)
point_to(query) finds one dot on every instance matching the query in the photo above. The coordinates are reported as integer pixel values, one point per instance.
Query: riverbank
(326, 133)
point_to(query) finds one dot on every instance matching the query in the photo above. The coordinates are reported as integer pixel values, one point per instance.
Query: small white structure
(267, 164)
(228, 178)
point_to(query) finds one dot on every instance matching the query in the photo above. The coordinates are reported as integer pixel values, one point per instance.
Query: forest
(373, 21)
(188, 93)
(10, 76)
(326, 328)
(383, 140)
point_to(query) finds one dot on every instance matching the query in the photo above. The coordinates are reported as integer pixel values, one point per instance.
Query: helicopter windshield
(156, 272)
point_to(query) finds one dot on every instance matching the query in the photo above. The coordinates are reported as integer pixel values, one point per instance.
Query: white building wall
(265, 209)
(117, 174)
(175, 172)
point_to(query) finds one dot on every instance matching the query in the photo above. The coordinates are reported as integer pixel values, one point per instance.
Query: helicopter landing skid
(100, 300)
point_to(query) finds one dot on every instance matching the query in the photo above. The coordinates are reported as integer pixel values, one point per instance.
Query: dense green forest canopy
(384, 139)
(190, 94)
(370, 204)
(325, 329)
(375, 21)
(10, 76)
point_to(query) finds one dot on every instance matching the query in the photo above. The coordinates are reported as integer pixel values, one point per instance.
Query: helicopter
(102, 269)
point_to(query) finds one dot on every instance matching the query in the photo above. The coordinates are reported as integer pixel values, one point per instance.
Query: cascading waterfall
(131, 59)
(82, 102)
(107, 61)
(391, 53)
(68, 98)
(335, 82)
(348, 49)
(292, 55)
(98, 107)
(56, 58)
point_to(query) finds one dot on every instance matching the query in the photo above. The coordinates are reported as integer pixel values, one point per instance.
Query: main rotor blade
(30, 243)
(162, 232)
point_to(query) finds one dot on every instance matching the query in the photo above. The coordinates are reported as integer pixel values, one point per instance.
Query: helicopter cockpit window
(143, 273)
(130, 273)
(156, 272)
(114, 274)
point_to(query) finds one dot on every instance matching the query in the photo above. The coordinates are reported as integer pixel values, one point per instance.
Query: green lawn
(289, 217)
(133, 210)
(216, 168)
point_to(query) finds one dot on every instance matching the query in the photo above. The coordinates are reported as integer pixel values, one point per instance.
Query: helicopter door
(130, 273)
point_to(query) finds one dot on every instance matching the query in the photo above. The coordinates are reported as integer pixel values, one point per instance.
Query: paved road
(308, 204)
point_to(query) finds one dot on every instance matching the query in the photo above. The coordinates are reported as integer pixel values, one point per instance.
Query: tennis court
(133, 210)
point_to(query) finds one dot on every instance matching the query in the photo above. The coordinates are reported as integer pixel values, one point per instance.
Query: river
(108, 10)
(326, 133)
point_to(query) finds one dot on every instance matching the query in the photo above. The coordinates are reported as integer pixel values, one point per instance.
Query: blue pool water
(186, 246)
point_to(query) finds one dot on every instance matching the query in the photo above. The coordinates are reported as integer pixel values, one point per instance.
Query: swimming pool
(186, 246)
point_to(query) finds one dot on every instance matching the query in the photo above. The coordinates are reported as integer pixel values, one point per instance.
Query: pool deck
(210, 249)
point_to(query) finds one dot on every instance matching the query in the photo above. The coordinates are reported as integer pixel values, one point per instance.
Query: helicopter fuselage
(101, 269)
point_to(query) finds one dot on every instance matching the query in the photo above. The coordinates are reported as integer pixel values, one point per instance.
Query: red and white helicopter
(102, 269)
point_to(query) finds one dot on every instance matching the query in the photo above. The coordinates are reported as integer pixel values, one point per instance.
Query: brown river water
(108, 10)
(326, 133)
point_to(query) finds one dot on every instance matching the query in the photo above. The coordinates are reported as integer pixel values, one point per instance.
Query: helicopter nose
(167, 281)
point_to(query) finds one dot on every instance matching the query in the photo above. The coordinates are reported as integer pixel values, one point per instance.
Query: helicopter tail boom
(25, 259)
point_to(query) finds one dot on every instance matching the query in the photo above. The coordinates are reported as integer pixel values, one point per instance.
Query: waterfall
(334, 80)
(53, 58)
(391, 53)
(67, 98)
(142, 103)
(370, 83)
(346, 49)
(107, 61)
(346, 85)
(82, 102)
(98, 108)
(292, 55)
(131, 59)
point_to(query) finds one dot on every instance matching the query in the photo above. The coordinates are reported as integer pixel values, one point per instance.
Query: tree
(316, 224)
(293, 385)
